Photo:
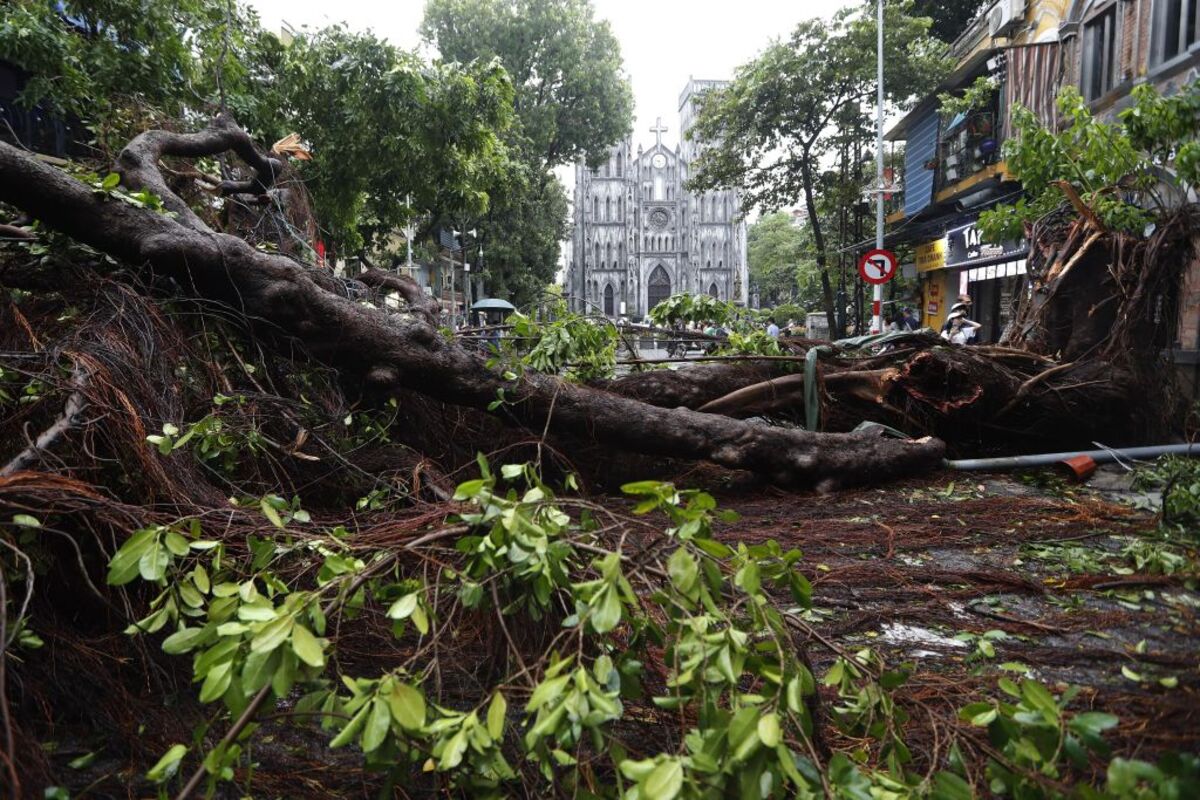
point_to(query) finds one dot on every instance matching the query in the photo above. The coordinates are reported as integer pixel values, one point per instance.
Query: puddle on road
(897, 633)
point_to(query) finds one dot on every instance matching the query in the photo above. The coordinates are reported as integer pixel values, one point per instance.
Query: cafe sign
(965, 247)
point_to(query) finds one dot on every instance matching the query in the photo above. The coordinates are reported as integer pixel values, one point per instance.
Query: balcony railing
(969, 144)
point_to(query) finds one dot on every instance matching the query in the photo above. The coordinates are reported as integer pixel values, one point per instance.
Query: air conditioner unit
(1004, 16)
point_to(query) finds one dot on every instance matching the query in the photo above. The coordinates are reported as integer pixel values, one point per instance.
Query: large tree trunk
(387, 350)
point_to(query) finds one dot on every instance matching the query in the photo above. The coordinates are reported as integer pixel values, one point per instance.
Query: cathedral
(639, 236)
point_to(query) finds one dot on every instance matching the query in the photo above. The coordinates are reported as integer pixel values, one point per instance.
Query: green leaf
(307, 647)
(452, 753)
(111, 181)
(124, 566)
(1130, 674)
(379, 722)
(347, 734)
(497, 710)
(168, 765)
(26, 521)
(272, 634)
(404, 607)
(664, 782)
(407, 705)
(183, 640)
(607, 614)
(154, 561)
(768, 730)
(270, 513)
(216, 682)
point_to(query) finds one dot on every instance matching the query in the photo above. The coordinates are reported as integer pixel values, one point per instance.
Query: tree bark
(810, 203)
(387, 350)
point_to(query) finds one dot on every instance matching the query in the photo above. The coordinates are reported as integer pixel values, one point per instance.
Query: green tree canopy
(950, 17)
(780, 116)
(572, 97)
(390, 134)
(572, 102)
(779, 255)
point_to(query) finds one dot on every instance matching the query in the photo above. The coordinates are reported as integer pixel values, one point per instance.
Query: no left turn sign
(877, 266)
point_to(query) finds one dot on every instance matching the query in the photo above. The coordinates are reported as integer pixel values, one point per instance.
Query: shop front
(962, 263)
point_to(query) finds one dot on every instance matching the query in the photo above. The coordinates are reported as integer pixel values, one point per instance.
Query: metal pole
(877, 290)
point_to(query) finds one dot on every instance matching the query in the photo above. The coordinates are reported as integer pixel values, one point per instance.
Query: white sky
(662, 41)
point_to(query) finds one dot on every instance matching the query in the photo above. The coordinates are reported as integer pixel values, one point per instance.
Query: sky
(662, 41)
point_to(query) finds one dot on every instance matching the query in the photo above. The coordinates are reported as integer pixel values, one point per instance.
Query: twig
(68, 420)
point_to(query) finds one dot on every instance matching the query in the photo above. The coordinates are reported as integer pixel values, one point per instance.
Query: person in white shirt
(772, 328)
(959, 329)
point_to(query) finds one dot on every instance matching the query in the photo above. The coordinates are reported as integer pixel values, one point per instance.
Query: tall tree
(779, 256)
(572, 97)
(775, 123)
(950, 17)
(391, 134)
(572, 102)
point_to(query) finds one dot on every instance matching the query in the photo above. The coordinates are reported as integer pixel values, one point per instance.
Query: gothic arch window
(595, 208)
(621, 252)
(620, 209)
(708, 264)
(608, 252)
(713, 292)
(608, 299)
(620, 165)
(720, 265)
(596, 263)
(658, 288)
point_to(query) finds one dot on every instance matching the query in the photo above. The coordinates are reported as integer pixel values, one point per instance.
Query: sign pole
(877, 291)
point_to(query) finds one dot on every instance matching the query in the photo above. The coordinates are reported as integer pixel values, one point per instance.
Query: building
(953, 167)
(639, 236)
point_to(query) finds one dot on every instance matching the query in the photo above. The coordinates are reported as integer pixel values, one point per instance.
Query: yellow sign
(931, 255)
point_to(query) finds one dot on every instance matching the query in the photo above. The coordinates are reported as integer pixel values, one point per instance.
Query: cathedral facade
(639, 236)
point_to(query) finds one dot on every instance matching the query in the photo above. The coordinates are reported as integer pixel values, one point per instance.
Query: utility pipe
(1099, 456)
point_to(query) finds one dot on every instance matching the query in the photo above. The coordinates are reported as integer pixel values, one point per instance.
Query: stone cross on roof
(658, 130)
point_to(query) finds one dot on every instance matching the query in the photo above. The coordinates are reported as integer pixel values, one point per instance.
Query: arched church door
(608, 300)
(658, 288)
(713, 293)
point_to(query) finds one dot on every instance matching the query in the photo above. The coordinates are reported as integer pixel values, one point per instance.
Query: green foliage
(1178, 480)
(571, 103)
(976, 97)
(522, 231)
(578, 347)
(1038, 740)
(112, 62)
(774, 122)
(950, 17)
(751, 343)
(387, 130)
(779, 256)
(1114, 167)
(692, 309)
(573, 100)
(785, 112)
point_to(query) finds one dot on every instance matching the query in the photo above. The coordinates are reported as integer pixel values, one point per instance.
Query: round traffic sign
(877, 266)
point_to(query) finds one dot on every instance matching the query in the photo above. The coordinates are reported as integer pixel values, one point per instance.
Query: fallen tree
(507, 641)
(386, 350)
